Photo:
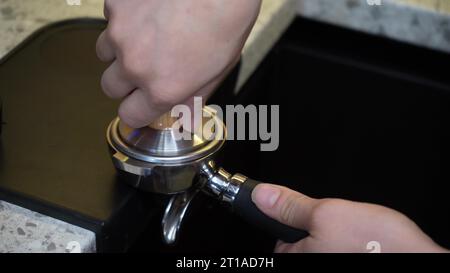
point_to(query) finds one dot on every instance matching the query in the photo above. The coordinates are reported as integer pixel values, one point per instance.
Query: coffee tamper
(156, 159)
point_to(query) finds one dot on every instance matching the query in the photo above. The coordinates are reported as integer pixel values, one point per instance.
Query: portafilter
(156, 159)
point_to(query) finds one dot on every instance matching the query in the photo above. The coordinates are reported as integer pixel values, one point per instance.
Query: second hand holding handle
(244, 206)
(237, 191)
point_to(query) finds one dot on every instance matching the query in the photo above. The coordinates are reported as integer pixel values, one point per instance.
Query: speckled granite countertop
(422, 22)
(25, 231)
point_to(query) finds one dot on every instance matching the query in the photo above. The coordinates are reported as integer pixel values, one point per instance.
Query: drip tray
(53, 152)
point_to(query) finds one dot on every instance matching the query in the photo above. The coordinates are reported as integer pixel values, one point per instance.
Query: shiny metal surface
(155, 142)
(175, 213)
(154, 160)
(213, 181)
(165, 147)
(221, 184)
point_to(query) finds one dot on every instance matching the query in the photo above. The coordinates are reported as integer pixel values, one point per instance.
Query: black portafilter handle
(247, 209)
(236, 190)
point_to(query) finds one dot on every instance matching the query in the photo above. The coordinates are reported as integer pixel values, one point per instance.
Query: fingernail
(266, 195)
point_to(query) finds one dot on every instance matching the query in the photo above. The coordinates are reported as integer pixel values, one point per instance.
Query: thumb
(284, 205)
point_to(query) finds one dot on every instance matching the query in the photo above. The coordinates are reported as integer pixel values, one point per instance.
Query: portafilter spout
(156, 159)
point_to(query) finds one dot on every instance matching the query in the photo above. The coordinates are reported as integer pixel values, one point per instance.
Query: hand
(338, 225)
(163, 53)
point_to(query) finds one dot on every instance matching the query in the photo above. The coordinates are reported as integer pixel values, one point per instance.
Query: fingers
(137, 111)
(141, 108)
(106, 9)
(284, 205)
(298, 247)
(114, 83)
(104, 48)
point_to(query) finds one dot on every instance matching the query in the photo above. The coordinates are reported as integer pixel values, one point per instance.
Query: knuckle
(98, 49)
(131, 117)
(102, 47)
(104, 84)
(107, 86)
(289, 209)
(325, 209)
(165, 92)
(114, 32)
(109, 5)
(323, 205)
(163, 98)
(131, 64)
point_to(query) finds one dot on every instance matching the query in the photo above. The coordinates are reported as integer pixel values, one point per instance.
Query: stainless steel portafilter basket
(156, 159)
